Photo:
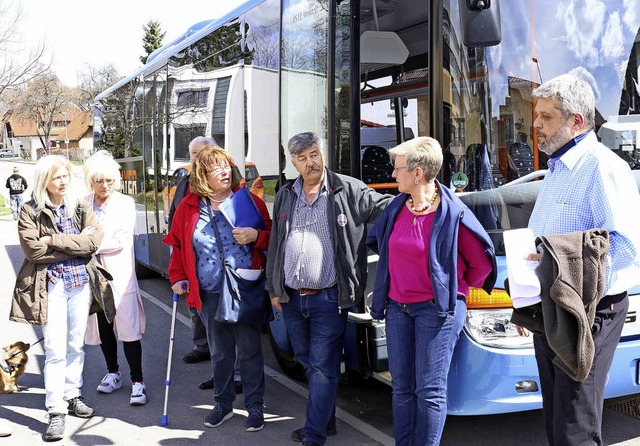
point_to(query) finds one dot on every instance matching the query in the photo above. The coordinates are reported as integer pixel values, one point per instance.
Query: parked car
(253, 179)
(6, 153)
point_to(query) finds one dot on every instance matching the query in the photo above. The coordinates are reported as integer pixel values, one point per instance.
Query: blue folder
(241, 211)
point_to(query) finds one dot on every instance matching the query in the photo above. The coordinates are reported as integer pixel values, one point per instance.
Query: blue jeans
(15, 201)
(224, 341)
(316, 329)
(420, 343)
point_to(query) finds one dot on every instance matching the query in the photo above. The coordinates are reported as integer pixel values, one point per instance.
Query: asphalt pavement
(118, 423)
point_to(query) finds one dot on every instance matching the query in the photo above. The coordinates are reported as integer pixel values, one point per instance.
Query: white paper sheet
(249, 274)
(524, 285)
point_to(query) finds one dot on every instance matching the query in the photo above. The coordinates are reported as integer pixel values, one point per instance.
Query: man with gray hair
(317, 269)
(587, 187)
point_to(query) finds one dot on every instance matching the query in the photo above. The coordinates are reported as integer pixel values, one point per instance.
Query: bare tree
(93, 80)
(43, 99)
(17, 65)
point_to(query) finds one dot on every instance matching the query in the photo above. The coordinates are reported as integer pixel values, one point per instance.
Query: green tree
(152, 39)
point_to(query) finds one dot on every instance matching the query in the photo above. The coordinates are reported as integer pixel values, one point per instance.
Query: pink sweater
(409, 259)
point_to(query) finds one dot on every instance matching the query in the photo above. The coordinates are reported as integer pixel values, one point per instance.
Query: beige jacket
(30, 294)
(572, 278)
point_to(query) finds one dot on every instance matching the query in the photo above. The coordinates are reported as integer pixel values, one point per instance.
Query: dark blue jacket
(443, 250)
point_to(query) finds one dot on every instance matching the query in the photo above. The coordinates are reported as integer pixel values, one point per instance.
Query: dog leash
(8, 368)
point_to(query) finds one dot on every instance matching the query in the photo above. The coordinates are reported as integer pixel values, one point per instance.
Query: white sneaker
(5, 429)
(138, 394)
(110, 382)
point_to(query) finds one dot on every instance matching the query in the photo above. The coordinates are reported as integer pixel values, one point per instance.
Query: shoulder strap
(215, 228)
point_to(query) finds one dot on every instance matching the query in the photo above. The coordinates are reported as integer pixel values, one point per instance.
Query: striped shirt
(590, 187)
(309, 256)
(72, 271)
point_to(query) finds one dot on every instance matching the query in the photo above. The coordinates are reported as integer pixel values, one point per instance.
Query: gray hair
(204, 140)
(46, 168)
(101, 165)
(303, 141)
(423, 152)
(573, 96)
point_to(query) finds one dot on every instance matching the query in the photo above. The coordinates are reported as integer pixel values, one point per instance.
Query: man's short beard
(555, 141)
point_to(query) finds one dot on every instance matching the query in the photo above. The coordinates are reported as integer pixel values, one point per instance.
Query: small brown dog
(12, 366)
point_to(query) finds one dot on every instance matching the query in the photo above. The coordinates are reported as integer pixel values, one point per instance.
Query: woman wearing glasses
(432, 250)
(117, 215)
(201, 236)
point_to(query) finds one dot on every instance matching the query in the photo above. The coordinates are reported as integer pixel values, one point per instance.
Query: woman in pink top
(432, 250)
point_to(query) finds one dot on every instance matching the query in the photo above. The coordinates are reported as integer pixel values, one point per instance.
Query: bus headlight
(494, 329)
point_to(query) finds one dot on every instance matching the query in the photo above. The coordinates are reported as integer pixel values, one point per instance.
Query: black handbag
(242, 300)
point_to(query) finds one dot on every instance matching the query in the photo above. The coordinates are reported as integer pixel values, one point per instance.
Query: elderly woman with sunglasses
(198, 233)
(432, 250)
(117, 216)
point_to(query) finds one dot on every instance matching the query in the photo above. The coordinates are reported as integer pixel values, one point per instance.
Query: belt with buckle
(308, 292)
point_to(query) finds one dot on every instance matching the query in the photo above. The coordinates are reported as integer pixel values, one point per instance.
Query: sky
(79, 32)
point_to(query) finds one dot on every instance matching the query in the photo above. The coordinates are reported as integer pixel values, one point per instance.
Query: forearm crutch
(165, 421)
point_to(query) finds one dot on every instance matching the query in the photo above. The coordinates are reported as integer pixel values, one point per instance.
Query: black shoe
(310, 443)
(206, 385)
(296, 435)
(79, 408)
(218, 416)
(196, 356)
(55, 429)
(237, 385)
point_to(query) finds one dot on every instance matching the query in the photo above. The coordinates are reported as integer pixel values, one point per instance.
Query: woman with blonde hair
(117, 215)
(432, 250)
(202, 238)
(59, 282)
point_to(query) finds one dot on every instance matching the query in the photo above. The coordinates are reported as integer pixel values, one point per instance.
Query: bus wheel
(292, 368)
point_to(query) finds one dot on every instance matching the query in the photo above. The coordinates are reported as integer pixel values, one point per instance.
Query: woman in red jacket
(196, 268)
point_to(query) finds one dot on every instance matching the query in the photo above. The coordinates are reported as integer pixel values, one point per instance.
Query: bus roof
(195, 32)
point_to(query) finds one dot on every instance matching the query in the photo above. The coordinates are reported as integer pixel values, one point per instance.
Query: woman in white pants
(58, 283)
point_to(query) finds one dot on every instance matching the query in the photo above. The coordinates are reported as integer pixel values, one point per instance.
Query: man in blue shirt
(587, 187)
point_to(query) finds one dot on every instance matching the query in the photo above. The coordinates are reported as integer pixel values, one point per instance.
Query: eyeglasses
(397, 168)
(108, 181)
(220, 170)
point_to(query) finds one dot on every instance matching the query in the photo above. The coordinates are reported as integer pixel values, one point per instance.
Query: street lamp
(66, 134)
(535, 61)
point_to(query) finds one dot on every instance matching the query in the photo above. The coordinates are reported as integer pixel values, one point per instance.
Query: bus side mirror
(480, 22)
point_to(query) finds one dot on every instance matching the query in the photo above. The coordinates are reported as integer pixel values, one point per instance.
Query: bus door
(155, 142)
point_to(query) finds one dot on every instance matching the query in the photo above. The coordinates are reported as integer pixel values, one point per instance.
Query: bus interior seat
(376, 165)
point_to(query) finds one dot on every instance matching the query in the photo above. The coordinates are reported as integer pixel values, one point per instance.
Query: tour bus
(366, 75)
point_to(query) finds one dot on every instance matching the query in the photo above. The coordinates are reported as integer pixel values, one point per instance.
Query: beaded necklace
(428, 205)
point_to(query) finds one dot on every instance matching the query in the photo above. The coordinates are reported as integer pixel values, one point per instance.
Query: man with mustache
(587, 187)
(317, 269)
